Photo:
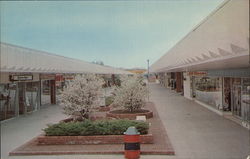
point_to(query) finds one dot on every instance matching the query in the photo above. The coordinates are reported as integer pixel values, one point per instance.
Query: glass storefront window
(236, 81)
(227, 94)
(246, 99)
(45, 93)
(208, 84)
(31, 96)
(208, 90)
(7, 101)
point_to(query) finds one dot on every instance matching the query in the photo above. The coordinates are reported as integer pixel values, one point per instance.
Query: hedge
(109, 100)
(90, 128)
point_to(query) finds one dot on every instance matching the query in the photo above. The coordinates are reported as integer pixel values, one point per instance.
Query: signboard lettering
(21, 77)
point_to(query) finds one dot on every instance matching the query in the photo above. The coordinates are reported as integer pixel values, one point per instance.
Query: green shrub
(109, 100)
(101, 127)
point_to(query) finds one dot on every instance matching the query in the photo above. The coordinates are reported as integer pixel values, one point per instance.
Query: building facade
(32, 79)
(213, 62)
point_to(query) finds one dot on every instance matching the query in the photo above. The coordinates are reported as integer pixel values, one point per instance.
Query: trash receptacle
(132, 143)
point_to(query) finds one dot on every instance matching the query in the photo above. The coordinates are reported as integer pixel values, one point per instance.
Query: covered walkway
(194, 131)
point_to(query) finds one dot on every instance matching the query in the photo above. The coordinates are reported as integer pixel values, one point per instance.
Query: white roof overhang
(220, 41)
(19, 59)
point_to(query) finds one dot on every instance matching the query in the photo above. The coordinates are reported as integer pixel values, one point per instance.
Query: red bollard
(132, 143)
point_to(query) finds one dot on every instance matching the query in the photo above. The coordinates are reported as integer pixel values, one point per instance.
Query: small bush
(109, 100)
(101, 127)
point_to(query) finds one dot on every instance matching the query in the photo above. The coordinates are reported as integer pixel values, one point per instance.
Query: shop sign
(68, 77)
(47, 76)
(21, 77)
(197, 73)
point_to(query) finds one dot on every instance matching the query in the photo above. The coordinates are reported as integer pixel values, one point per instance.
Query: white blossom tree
(132, 93)
(80, 96)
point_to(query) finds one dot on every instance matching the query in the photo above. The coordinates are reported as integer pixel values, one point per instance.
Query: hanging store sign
(21, 77)
(47, 76)
(197, 73)
(68, 77)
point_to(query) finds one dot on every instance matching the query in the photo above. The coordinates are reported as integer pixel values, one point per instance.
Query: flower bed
(104, 108)
(85, 140)
(121, 114)
(92, 132)
(91, 128)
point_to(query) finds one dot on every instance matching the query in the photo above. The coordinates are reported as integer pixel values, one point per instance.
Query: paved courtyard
(194, 131)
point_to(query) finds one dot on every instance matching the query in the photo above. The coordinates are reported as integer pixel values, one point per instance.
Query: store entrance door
(192, 87)
(21, 93)
(236, 100)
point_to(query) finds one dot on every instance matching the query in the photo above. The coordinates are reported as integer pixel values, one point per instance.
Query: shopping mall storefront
(236, 91)
(48, 89)
(236, 97)
(224, 90)
(22, 93)
(19, 94)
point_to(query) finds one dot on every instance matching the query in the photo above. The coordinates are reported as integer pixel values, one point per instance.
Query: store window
(32, 96)
(7, 101)
(237, 97)
(208, 90)
(246, 99)
(45, 93)
(227, 94)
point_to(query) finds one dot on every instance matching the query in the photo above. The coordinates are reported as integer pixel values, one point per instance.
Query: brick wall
(85, 140)
(129, 116)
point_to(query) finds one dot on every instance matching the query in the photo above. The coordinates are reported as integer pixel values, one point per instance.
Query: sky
(119, 33)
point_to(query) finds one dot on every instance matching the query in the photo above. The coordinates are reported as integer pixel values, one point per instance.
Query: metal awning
(19, 59)
(220, 41)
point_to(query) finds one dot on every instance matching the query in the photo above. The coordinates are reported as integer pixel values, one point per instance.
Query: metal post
(148, 79)
(17, 100)
(148, 69)
(24, 94)
(39, 97)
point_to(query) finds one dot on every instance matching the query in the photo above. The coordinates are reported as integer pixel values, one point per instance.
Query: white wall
(187, 86)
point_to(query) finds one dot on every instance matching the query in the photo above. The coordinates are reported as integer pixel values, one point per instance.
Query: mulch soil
(161, 144)
(128, 112)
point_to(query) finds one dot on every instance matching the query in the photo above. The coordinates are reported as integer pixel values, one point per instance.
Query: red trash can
(132, 143)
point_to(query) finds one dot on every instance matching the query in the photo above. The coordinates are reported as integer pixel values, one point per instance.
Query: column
(53, 91)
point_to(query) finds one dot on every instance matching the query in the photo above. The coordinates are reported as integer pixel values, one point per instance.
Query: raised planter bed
(120, 114)
(89, 140)
(104, 108)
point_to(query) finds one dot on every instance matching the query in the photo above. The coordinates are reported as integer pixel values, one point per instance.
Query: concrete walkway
(194, 131)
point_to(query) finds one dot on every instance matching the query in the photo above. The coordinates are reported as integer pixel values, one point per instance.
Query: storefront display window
(208, 90)
(59, 83)
(227, 94)
(246, 99)
(7, 101)
(208, 84)
(45, 93)
(31, 96)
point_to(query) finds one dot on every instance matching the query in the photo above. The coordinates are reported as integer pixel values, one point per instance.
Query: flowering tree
(80, 96)
(132, 93)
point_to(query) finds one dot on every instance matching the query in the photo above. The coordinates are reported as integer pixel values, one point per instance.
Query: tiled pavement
(194, 131)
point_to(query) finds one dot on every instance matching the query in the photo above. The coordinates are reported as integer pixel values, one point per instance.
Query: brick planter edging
(129, 116)
(85, 140)
(104, 108)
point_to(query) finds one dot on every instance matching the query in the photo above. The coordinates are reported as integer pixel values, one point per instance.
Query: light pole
(148, 69)
(148, 79)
